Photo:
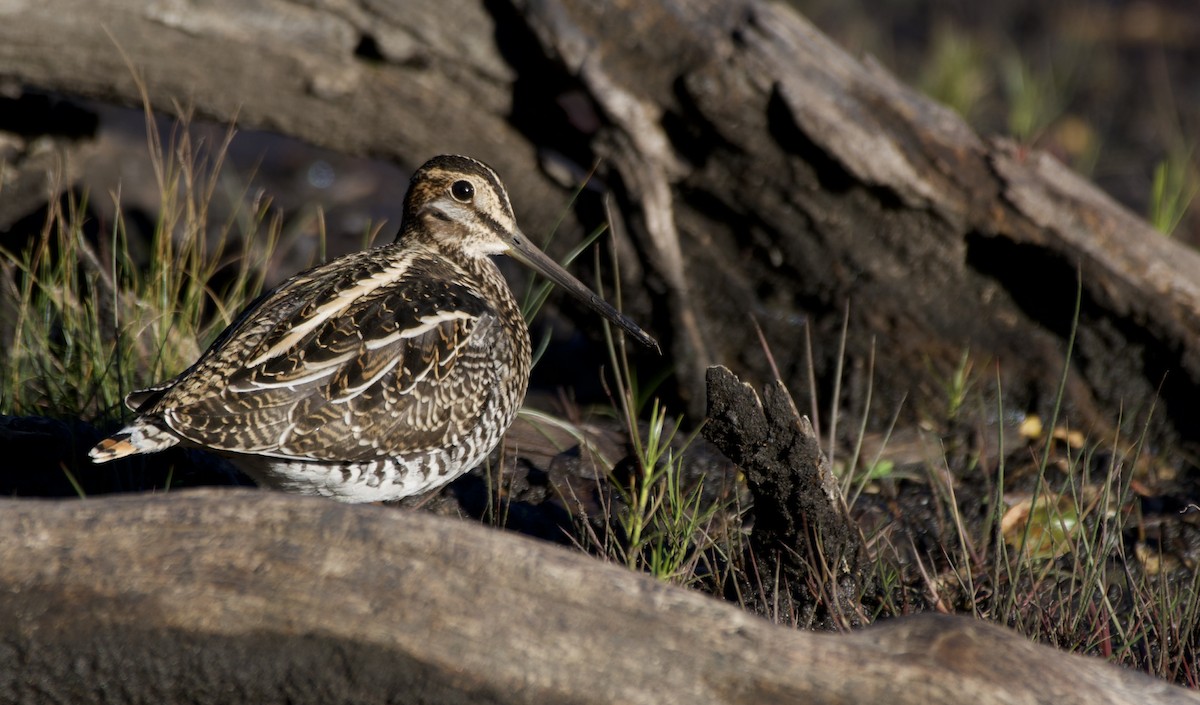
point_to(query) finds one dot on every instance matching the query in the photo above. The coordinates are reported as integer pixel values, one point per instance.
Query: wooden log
(803, 532)
(232, 596)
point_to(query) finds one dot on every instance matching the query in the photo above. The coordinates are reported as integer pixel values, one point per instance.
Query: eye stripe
(467, 164)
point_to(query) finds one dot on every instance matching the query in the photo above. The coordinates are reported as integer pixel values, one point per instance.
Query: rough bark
(230, 596)
(802, 531)
(762, 172)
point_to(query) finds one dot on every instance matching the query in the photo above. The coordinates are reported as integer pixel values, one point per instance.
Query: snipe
(378, 375)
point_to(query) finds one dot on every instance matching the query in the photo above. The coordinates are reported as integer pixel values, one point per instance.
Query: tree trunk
(232, 596)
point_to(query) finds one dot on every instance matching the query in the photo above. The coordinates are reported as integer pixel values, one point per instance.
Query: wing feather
(378, 358)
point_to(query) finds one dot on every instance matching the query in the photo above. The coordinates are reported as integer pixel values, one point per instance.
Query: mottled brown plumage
(378, 375)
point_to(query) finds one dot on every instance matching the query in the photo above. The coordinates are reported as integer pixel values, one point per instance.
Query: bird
(378, 375)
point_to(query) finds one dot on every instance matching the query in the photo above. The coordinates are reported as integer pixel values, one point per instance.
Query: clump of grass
(1035, 98)
(954, 72)
(95, 315)
(1173, 190)
(664, 522)
(51, 325)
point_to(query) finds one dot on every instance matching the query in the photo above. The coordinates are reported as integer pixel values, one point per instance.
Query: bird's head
(457, 203)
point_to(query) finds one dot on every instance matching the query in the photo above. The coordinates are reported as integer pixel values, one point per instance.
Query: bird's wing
(372, 360)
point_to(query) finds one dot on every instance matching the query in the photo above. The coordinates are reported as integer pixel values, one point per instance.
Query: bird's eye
(462, 191)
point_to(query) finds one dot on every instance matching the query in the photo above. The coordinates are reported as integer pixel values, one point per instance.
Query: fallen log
(244, 596)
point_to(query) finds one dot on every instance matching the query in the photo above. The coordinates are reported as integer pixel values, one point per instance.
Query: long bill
(525, 253)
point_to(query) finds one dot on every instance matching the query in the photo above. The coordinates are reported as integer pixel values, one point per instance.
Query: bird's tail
(138, 437)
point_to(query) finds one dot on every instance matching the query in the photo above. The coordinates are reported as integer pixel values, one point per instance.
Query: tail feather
(138, 437)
